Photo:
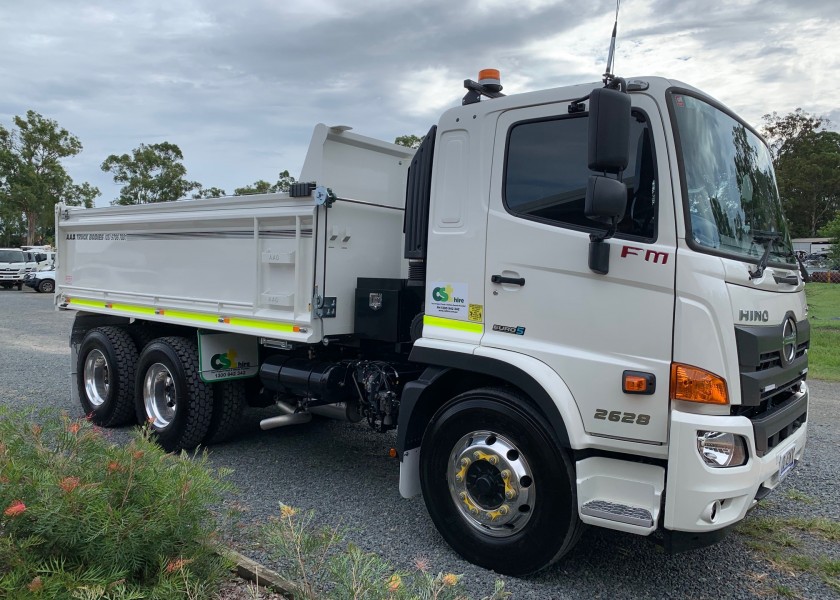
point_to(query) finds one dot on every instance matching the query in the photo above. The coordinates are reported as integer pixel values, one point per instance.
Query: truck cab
(14, 265)
(679, 367)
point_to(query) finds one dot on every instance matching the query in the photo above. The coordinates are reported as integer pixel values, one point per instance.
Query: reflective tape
(183, 315)
(453, 324)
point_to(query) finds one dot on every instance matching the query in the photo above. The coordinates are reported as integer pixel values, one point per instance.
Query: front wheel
(47, 286)
(497, 486)
(171, 397)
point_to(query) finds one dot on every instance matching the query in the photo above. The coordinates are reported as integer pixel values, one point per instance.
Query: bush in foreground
(84, 518)
(323, 566)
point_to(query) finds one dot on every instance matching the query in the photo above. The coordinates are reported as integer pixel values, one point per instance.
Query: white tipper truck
(575, 306)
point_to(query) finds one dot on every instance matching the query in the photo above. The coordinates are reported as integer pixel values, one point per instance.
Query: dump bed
(268, 265)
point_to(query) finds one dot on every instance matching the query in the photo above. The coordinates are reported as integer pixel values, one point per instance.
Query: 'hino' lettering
(754, 315)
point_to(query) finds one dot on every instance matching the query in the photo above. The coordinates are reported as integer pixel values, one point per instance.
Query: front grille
(775, 420)
(770, 385)
(768, 360)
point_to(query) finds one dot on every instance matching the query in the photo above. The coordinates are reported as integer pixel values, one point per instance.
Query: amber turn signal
(693, 384)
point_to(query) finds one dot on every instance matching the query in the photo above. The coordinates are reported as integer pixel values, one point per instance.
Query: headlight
(722, 449)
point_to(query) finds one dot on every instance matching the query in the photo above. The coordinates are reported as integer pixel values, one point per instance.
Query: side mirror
(609, 130)
(606, 200)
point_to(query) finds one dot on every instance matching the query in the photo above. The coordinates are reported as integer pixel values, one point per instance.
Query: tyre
(142, 333)
(105, 376)
(228, 404)
(19, 285)
(7, 285)
(170, 394)
(47, 286)
(499, 489)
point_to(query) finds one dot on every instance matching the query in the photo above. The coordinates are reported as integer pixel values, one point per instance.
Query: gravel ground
(343, 472)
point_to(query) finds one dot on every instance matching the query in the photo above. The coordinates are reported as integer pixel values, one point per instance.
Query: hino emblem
(788, 340)
(754, 315)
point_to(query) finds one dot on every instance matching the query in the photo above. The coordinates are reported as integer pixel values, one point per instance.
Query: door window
(546, 174)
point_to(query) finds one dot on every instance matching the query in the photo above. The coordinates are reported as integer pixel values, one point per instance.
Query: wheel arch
(457, 372)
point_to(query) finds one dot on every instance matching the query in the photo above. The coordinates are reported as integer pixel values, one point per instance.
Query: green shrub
(84, 518)
(322, 565)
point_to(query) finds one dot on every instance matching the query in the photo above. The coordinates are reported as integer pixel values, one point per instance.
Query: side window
(546, 175)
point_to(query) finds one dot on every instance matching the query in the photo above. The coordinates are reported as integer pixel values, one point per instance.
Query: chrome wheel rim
(97, 378)
(159, 396)
(491, 483)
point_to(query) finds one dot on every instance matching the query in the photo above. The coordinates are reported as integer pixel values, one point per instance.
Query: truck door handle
(510, 280)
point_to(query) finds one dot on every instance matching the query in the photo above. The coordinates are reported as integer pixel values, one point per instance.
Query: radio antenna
(608, 75)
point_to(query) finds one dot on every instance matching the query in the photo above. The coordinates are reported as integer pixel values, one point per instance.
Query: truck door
(589, 328)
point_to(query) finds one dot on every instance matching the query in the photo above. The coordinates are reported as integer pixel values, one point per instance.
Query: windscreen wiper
(767, 239)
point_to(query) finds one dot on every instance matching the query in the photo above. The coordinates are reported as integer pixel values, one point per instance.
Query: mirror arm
(599, 252)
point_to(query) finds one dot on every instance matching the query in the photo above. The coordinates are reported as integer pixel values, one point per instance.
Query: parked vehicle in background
(40, 281)
(14, 264)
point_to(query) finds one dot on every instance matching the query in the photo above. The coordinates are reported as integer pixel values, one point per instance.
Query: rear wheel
(105, 376)
(228, 404)
(497, 486)
(170, 394)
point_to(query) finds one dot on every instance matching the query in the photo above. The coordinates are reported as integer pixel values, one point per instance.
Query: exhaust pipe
(341, 411)
(290, 418)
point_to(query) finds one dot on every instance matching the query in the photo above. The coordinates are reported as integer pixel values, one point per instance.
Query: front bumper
(700, 498)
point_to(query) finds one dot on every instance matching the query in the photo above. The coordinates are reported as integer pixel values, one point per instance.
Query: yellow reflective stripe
(261, 324)
(183, 315)
(453, 324)
(140, 310)
(188, 316)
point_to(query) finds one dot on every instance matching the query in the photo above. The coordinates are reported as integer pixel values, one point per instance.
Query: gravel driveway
(343, 472)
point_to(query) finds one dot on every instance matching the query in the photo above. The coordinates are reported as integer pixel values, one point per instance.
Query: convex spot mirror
(609, 130)
(606, 199)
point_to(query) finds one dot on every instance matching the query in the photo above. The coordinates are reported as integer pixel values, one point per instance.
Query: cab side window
(546, 175)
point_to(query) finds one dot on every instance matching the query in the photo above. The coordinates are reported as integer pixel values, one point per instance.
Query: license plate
(787, 462)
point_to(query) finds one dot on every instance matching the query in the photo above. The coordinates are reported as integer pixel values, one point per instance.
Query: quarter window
(546, 174)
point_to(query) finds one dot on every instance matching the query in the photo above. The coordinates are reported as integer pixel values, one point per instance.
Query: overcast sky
(239, 85)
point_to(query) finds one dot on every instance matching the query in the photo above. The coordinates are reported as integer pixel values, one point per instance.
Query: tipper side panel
(244, 265)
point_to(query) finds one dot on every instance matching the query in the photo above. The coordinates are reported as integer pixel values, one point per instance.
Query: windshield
(11, 256)
(731, 195)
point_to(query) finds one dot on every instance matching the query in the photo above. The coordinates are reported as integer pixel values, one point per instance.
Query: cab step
(620, 494)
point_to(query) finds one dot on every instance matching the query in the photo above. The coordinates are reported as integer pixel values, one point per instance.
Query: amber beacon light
(697, 385)
(491, 79)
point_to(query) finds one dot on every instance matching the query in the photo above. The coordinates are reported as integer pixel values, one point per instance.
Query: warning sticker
(476, 313)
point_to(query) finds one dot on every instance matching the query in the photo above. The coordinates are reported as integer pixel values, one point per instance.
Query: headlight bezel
(722, 449)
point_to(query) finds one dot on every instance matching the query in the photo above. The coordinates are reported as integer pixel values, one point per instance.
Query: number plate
(787, 462)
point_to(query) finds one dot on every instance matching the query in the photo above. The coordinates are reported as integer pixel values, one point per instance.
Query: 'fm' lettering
(650, 255)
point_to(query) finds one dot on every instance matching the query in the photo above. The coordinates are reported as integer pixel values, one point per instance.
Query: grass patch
(797, 496)
(779, 542)
(824, 315)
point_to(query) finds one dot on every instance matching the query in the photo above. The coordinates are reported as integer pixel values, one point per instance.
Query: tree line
(806, 157)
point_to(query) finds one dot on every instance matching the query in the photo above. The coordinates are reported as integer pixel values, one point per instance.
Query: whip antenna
(608, 75)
